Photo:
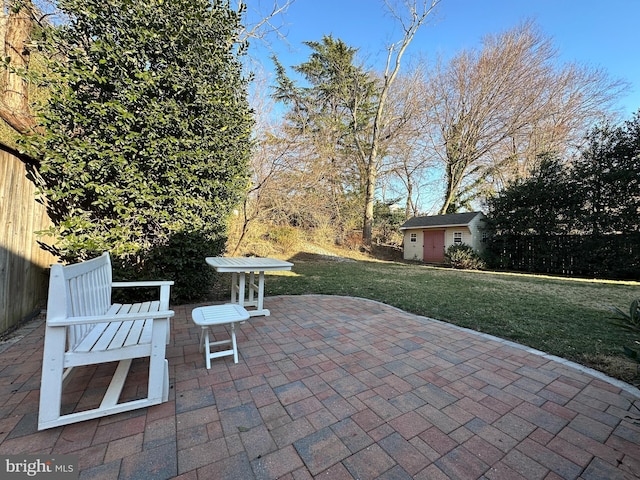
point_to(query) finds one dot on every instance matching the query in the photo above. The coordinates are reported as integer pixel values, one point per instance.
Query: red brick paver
(338, 388)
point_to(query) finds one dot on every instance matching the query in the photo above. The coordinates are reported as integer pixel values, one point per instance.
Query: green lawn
(564, 317)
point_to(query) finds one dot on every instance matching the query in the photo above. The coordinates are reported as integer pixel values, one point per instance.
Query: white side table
(218, 315)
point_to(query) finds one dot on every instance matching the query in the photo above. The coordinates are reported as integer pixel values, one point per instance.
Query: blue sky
(592, 32)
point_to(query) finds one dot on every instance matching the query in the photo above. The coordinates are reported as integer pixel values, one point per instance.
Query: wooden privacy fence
(23, 264)
(612, 256)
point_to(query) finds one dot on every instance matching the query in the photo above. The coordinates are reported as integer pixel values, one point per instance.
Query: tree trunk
(453, 182)
(409, 208)
(448, 196)
(417, 18)
(14, 100)
(367, 229)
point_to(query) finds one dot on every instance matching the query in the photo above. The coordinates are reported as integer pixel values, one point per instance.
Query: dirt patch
(616, 367)
(320, 253)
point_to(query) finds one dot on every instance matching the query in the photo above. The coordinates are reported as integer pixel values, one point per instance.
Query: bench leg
(157, 363)
(52, 377)
(165, 389)
(207, 351)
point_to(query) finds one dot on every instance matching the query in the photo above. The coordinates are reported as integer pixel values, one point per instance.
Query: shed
(427, 238)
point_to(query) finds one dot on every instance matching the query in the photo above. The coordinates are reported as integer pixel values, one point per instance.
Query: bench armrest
(59, 322)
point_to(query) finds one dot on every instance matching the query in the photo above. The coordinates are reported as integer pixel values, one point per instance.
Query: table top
(219, 314)
(247, 264)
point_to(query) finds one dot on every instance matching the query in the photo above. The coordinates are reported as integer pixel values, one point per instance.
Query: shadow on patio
(339, 388)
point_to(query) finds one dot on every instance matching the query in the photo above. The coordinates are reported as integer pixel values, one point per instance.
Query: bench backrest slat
(78, 290)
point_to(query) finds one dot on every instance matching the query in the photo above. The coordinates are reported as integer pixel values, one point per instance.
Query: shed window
(457, 238)
(413, 238)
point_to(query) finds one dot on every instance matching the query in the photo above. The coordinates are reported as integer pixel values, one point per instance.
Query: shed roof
(448, 220)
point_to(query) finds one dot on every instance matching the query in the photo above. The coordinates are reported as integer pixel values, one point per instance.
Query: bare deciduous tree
(297, 177)
(411, 18)
(410, 153)
(266, 18)
(497, 109)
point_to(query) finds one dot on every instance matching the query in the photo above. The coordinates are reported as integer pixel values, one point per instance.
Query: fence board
(23, 264)
(613, 256)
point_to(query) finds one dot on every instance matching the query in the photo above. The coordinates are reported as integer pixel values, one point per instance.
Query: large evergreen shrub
(144, 142)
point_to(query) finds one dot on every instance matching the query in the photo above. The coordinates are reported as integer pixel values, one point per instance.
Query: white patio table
(239, 267)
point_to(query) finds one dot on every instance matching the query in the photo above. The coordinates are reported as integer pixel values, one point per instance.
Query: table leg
(261, 293)
(251, 292)
(241, 288)
(234, 287)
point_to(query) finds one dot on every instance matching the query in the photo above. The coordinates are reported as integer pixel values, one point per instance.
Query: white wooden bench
(83, 327)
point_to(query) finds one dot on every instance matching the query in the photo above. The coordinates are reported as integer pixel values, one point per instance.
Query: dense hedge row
(615, 256)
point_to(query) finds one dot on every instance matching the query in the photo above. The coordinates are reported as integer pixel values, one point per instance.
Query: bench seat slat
(121, 335)
(107, 336)
(114, 335)
(90, 339)
(133, 337)
(147, 331)
(123, 330)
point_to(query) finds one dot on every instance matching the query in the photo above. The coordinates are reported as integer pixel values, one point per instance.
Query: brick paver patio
(339, 388)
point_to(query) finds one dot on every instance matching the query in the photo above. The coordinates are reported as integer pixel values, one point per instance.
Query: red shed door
(433, 246)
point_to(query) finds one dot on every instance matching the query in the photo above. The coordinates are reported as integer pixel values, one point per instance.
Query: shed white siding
(413, 250)
(470, 234)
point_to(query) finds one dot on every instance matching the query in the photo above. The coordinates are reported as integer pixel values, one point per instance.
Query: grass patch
(559, 316)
